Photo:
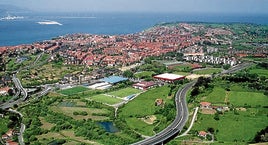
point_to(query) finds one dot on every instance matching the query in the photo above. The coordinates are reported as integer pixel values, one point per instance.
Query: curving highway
(182, 112)
(177, 125)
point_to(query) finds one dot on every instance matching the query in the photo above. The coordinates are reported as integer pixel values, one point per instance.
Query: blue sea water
(27, 30)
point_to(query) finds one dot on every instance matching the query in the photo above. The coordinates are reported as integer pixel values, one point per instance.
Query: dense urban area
(174, 83)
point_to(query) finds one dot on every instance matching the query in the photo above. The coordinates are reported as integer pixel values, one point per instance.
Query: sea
(28, 30)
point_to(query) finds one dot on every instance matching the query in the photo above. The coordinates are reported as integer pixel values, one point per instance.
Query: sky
(206, 6)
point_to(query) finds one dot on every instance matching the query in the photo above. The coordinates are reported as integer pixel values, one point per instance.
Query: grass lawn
(48, 136)
(3, 125)
(181, 73)
(140, 126)
(142, 106)
(261, 72)
(232, 127)
(45, 124)
(105, 99)
(73, 90)
(249, 98)
(69, 112)
(207, 71)
(145, 102)
(216, 96)
(125, 92)
(183, 68)
(70, 134)
(144, 74)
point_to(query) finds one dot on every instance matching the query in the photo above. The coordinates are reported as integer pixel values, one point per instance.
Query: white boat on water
(47, 22)
(9, 17)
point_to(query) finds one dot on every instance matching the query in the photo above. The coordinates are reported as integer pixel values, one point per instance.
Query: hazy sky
(214, 6)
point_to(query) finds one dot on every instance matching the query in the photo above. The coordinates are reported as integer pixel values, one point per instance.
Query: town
(89, 80)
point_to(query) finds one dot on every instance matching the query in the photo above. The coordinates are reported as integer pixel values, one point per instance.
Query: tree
(217, 116)
(15, 106)
(10, 92)
(195, 91)
(128, 74)
(148, 60)
(211, 130)
(226, 66)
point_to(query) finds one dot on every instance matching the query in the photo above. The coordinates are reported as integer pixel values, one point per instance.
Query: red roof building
(205, 105)
(10, 142)
(144, 85)
(202, 134)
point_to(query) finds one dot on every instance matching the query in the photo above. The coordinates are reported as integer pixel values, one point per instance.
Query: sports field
(73, 90)
(105, 99)
(124, 92)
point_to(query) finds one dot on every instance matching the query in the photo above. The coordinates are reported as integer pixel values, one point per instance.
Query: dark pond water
(109, 126)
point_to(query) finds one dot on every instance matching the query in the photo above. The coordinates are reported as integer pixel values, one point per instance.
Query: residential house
(202, 134)
(205, 105)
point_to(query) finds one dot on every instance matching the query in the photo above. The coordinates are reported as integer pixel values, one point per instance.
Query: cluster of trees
(151, 65)
(89, 129)
(253, 81)
(169, 112)
(2, 64)
(201, 84)
(14, 120)
(261, 136)
(262, 65)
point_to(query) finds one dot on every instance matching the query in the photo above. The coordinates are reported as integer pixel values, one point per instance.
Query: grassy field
(207, 71)
(145, 102)
(3, 125)
(217, 95)
(14, 65)
(125, 92)
(181, 73)
(260, 72)
(240, 126)
(232, 127)
(65, 134)
(105, 99)
(69, 112)
(183, 68)
(146, 107)
(73, 90)
(144, 74)
(45, 124)
(250, 98)
(140, 126)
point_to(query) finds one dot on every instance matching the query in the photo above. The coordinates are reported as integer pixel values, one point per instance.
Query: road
(192, 123)
(20, 89)
(177, 125)
(236, 68)
(22, 127)
(182, 112)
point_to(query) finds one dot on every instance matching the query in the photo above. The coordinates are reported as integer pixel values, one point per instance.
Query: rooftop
(114, 79)
(169, 76)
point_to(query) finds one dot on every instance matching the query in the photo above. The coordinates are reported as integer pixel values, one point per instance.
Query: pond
(109, 126)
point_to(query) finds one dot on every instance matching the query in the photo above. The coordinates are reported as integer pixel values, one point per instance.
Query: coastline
(28, 31)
